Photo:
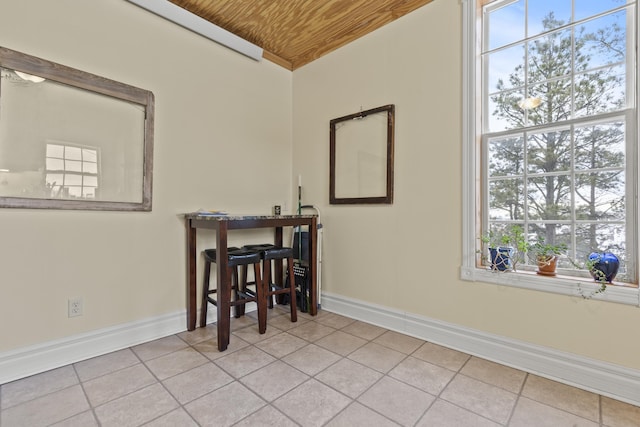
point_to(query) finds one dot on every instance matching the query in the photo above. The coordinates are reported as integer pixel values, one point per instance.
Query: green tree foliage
(581, 170)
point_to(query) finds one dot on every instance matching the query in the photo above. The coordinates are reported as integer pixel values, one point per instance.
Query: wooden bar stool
(271, 253)
(240, 292)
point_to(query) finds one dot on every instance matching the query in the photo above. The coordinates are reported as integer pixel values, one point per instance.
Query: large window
(554, 136)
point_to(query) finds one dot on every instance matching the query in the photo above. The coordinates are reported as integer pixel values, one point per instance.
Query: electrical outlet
(75, 307)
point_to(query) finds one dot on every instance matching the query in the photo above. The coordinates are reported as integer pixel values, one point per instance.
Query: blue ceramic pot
(501, 258)
(605, 266)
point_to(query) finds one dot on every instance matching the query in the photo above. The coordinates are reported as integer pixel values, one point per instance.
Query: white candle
(299, 180)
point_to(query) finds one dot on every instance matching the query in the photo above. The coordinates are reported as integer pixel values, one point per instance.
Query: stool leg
(205, 294)
(292, 291)
(260, 299)
(267, 281)
(236, 287)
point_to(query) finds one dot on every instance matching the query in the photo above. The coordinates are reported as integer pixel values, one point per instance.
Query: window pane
(600, 196)
(549, 56)
(549, 151)
(73, 166)
(90, 181)
(54, 150)
(506, 68)
(89, 192)
(555, 105)
(73, 153)
(54, 180)
(55, 164)
(506, 156)
(544, 15)
(75, 191)
(601, 41)
(552, 234)
(549, 197)
(600, 91)
(600, 146)
(587, 8)
(599, 237)
(89, 155)
(72, 179)
(505, 112)
(506, 199)
(506, 24)
(90, 167)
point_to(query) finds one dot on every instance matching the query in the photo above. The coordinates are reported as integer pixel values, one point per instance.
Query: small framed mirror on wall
(361, 157)
(72, 140)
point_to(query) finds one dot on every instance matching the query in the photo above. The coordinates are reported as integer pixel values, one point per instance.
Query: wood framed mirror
(361, 157)
(72, 140)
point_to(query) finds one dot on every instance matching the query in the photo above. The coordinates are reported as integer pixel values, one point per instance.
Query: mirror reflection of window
(71, 171)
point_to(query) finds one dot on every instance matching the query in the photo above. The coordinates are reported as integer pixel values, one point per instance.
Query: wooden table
(221, 224)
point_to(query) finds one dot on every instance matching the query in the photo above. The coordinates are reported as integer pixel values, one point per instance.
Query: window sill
(572, 286)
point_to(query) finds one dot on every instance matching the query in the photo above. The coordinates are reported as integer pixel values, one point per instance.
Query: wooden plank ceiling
(296, 32)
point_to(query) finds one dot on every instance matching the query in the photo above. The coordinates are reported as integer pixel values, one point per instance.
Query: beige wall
(218, 115)
(407, 256)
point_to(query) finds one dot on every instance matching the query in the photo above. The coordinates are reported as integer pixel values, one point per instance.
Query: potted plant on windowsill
(546, 256)
(505, 249)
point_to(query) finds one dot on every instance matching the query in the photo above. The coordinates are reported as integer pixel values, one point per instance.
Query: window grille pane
(597, 46)
(510, 16)
(549, 197)
(74, 192)
(504, 112)
(549, 56)
(600, 196)
(587, 8)
(73, 153)
(89, 167)
(555, 105)
(549, 151)
(506, 68)
(506, 199)
(72, 166)
(72, 179)
(54, 150)
(90, 181)
(546, 15)
(600, 91)
(506, 156)
(89, 155)
(600, 146)
(599, 237)
(55, 164)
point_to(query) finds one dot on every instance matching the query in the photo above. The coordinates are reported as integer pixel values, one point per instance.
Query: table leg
(224, 287)
(191, 277)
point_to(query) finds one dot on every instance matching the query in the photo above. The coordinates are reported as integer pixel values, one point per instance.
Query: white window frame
(471, 187)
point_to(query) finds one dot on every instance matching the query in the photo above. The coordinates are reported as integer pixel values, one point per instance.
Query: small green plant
(506, 249)
(543, 252)
(597, 275)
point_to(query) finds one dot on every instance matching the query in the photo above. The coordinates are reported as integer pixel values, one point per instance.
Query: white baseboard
(600, 377)
(23, 362)
(38, 358)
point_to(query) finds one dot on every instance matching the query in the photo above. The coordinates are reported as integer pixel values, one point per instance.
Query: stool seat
(270, 253)
(240, 293)
(235, 256)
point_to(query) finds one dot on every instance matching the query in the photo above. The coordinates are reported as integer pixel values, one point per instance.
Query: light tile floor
(328, 370)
